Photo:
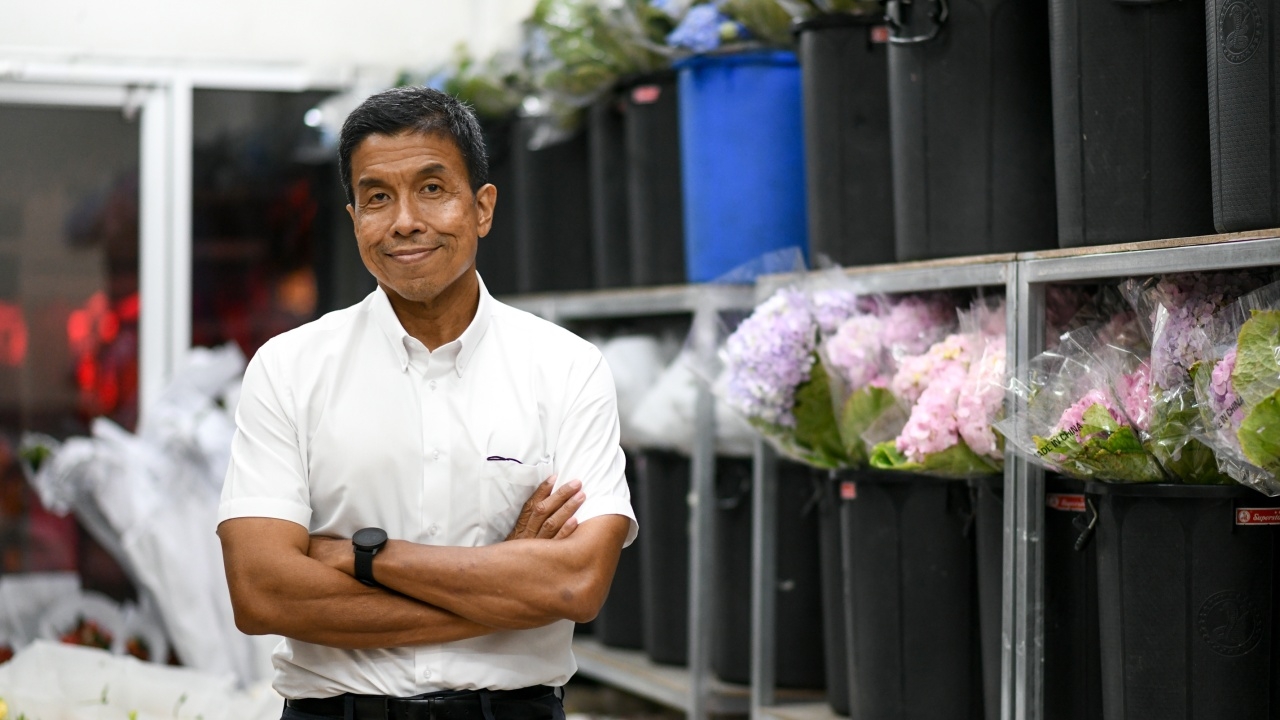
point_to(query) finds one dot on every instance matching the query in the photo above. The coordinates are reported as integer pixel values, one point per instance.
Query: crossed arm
(286, 582)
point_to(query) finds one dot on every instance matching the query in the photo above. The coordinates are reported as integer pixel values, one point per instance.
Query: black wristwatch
(367, 543)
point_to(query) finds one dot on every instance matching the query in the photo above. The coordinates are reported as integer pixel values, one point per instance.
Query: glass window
(272, 245)
(68, 312)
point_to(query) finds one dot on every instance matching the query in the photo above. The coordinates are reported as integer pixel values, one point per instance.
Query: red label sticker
(1066, 503)
(646, 94)
(880, 34)
(848, 490)
(1258, 516)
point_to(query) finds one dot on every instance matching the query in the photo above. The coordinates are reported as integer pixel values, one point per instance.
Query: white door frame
(162, 99)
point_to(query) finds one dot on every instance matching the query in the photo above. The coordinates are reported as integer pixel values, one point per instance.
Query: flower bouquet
(708, 26)
(772, 377)
(1174, 310)
(859, 354)
(1238, 390)
(951, 394)
(1077, 408)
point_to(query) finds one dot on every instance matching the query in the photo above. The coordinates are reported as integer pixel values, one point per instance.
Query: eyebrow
(428, 169)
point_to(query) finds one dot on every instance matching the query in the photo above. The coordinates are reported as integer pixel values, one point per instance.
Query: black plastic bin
(1244, 113)
(620, 623)
(844, 80)
(1072, 672)
(610, 241)
(1130, 129)
(655, 191)
(910, 589)
(835, 640)
(798, 620)
(496, 253)
(662, 480)
(552, 212)
(1187, 602)
(972, 127)
(987, 496)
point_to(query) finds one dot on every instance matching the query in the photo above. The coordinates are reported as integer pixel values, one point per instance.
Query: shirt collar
(384, 316)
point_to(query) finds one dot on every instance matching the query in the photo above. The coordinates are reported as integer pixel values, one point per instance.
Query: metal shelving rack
(1034, 272)
(693, 689)
(987, 271)
(1024, 277)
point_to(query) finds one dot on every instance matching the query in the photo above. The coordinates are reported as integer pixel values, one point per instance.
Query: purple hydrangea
(769, 356)
(1227, 411)
(833, 307)
(856, 352)
(1184, 304)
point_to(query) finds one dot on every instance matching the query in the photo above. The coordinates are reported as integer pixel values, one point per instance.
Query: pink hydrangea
(982, 398)
(917, 372)
(856, 352)
(917, 321)
(1073, 417)
(1227, 410)
(1134, 390)
(932, 426)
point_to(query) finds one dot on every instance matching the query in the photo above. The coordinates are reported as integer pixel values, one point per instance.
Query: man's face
(416, 219)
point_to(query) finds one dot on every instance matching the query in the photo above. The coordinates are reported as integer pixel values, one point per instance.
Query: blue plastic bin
(742, 159)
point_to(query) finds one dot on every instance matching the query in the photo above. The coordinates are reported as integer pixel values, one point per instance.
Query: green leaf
(957, 461)
(816, 430)
(863, 408)
(1259, 434)
(1097, 419)
(1257, 372)
(1118, 456)
(35, 455)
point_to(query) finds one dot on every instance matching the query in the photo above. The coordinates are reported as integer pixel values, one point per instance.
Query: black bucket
(844, 79)
(662, 480)
(1187, 602)
(987, 496)
(1072, 670)
(972, 127)
(798, 621)
(1244, 113)
(655, 191)
(620, 623)
(552, 212)
(496, 252)
(910, 588)
(1131, 133)
(835, 641)
(610, 246)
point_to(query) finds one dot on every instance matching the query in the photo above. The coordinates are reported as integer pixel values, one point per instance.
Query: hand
(337, 553)
(549, 515)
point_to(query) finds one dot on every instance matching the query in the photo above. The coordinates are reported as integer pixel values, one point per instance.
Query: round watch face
(369, 538)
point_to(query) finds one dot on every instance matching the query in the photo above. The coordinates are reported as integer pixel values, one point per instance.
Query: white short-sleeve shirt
(349, 422)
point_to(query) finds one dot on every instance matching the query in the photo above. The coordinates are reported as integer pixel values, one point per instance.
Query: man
(436, 415)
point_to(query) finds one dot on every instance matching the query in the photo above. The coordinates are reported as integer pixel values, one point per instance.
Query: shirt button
(432, 384)
(426, 674)
(433, 529)
(435, 455)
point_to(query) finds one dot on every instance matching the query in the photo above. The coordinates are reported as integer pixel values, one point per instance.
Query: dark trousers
(478, 705)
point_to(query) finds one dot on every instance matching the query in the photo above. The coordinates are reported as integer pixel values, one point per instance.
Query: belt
(445, 705)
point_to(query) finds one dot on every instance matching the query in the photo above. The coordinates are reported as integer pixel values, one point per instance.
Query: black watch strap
(364, 566)
(366, 543)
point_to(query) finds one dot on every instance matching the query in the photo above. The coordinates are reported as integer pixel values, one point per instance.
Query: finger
(562, 515)
(557, 499)
(569, 526)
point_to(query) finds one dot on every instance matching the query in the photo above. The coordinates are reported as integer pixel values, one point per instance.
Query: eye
(378, 197)
(432, 187)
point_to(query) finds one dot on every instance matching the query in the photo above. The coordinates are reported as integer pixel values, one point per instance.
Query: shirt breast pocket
(507, 486)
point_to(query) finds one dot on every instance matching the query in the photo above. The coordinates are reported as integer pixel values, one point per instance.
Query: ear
(352, 212)
(486, 201)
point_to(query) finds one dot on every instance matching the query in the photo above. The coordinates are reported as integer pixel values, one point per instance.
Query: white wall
(321, 34)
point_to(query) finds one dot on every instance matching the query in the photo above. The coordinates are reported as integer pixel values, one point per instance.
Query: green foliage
(1257, 372)
(1259, 434)
(589, 46)
(1109, 451)
(816, 429)
(1170, 440)
(957, 461)
(766, 19)
(863, 408)
(34, 456)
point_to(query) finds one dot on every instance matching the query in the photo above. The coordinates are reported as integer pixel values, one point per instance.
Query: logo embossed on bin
(1258, 516)
(1239, 30)
(848, 490)
(1230, 623)
(1065, 502)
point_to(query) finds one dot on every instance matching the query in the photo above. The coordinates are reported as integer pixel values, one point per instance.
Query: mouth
(411, 255)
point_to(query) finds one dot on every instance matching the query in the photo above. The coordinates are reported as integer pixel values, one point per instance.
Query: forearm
(511, 585)
(276, 588)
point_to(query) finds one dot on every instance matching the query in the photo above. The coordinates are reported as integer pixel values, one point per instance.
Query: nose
(409, 219)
